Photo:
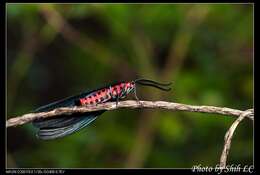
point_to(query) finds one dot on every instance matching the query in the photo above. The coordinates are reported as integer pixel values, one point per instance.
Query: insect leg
(136, 95)
(117, 99)
(122, 92)
(137, 99)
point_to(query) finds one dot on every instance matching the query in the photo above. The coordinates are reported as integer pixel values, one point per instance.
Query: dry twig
(229, 135)
(20, 120)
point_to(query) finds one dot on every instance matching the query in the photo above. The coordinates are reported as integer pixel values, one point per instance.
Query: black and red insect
(61, 126)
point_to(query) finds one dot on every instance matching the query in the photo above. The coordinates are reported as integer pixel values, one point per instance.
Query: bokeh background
(58, 50)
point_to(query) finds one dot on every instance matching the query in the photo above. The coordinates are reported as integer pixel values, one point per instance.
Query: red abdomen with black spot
(111, 93)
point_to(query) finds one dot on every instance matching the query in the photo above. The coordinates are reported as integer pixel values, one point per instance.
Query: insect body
(62, 125)
(118, 91)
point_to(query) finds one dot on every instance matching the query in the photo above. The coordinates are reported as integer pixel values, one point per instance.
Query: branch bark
(20, 120)
(229, 136)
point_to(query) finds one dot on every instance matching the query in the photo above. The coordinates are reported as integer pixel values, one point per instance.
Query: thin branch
(20, 120)
(229, 135)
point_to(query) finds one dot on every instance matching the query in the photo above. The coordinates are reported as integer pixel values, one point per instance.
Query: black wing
(62, 125)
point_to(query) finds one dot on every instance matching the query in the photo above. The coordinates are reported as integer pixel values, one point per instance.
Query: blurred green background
(58, 50)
